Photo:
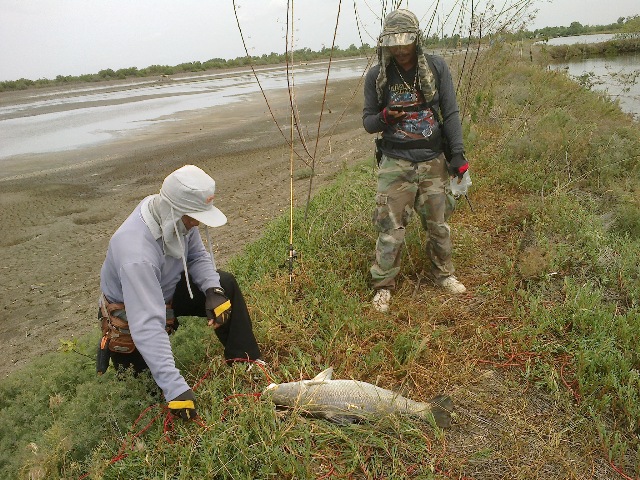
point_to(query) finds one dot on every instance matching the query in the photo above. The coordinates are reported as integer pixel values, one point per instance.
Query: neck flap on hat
(169, 224)
(427, 82)
(162, 220)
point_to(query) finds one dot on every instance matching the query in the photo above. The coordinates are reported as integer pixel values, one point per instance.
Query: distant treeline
(626, 40)
(301, 55)
(623, 26)
(626, 27)
(609, 48)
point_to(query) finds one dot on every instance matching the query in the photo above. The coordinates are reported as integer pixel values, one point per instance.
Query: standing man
(157, 269)
(410, 98)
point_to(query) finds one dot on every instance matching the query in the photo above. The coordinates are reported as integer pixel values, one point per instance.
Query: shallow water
(87, 116)
(618, 77)
(594, 38)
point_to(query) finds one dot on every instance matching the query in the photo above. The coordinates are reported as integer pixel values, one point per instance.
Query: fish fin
(339, 419)
(322, 377)
(441, 408)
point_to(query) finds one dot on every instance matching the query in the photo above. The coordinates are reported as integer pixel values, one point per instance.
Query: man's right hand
(218, 307)
(391, 116)
(184, 405)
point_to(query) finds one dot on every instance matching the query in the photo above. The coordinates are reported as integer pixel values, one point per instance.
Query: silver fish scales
(348, 401)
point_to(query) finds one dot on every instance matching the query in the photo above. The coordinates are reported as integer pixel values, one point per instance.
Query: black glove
(458, 165)
(184, 405)
(218, 306)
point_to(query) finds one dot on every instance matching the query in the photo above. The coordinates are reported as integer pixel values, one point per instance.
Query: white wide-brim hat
(190, 191)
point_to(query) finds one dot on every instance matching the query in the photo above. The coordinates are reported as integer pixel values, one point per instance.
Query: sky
(46, 38)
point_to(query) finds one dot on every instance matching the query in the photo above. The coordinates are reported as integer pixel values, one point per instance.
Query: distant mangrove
(626, 29)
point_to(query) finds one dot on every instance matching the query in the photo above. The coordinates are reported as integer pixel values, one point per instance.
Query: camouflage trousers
(405, 187)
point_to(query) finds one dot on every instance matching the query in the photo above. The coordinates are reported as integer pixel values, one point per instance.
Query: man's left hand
(458, 165)
(218, 307)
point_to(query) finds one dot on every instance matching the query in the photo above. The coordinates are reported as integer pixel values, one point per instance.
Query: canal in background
(618, 77)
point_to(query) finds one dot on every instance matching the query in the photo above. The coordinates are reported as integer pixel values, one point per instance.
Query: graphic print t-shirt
(420, 122)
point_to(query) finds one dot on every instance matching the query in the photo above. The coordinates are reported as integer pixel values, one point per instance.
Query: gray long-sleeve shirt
(136, 272)
(420, 126)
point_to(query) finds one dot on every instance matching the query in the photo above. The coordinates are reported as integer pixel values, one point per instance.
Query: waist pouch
(115, 326)
(378, 150)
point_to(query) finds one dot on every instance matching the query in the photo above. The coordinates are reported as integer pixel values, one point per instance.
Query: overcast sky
(46, 38)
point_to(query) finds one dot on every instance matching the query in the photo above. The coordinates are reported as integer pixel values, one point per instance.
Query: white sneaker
(452, 285)
(257, 361)
(381, 300)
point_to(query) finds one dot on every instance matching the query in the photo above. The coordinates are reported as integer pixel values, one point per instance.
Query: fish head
(284, 390)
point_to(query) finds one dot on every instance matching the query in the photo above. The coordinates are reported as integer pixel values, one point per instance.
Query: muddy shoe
(452, 285)
(381, 300)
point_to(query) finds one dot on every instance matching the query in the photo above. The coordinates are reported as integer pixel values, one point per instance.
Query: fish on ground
(348, 401)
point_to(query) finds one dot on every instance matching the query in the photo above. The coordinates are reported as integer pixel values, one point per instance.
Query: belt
(411, 145)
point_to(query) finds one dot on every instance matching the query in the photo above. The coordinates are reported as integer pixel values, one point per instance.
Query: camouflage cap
(401, 27)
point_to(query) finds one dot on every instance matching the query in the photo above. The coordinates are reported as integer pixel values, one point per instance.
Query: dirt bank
(57, 223)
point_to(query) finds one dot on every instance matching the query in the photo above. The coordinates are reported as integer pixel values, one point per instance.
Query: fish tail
(441, 408)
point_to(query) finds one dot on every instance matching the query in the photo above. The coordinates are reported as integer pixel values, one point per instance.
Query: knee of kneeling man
(227, 281)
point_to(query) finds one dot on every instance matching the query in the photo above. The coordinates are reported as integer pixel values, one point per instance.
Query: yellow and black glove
(218, 306)
(184, 406)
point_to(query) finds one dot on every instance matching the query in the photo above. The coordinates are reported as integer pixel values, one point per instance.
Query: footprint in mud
(70, 211)
(92, 219)
(13, 241)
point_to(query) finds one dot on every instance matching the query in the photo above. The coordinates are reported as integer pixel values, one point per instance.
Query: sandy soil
(57, 223)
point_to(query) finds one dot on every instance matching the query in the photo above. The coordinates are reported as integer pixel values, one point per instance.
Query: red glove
(458, 165)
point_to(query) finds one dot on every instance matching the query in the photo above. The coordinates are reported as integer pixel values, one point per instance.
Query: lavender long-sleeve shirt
(136, 272)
